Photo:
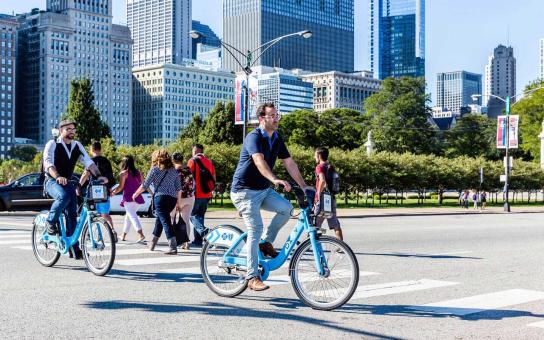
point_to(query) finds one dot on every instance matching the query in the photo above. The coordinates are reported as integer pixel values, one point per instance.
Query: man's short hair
(198, 146)
(323, 153)
(261, 110)
(96, 146)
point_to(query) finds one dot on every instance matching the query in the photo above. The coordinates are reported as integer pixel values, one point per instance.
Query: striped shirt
(169, 186)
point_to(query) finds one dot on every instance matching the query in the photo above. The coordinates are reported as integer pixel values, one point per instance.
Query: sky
(460, 34)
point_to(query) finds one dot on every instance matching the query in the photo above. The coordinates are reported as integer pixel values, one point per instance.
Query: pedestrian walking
(465, 199)
(323, 180)
(475, 200)
(483, 200)
(129, 181)
(166, 196)
(204, 175)
(187, 193)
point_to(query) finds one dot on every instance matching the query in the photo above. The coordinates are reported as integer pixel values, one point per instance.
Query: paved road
(434, 277)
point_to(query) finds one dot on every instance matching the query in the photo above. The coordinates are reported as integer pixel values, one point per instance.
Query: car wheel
(2, 206)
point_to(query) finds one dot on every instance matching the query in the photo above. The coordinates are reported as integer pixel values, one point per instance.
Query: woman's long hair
(127, 163)
(160, 158)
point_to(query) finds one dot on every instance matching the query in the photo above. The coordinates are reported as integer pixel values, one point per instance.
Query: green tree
(219, 126)
(23, 153)
(299, 127)
(194, 129)
(342, 128)
(473, 136)
(82, 110)
(531, 116)
(400, 117)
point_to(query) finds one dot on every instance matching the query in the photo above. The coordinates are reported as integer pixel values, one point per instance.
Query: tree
(81, 109)
(193, 130)
(219, 126)
(400, 117)
(473, 136)
(299, 127)
(342, 128)
(531, 112)
(23, 153)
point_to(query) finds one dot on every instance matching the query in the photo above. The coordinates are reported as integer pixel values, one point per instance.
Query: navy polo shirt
(247, 176)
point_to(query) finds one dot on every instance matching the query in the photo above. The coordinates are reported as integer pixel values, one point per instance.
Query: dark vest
(64, 164)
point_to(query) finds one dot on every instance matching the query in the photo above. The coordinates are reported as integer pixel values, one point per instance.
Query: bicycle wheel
(332, 290)
(46, 252)
(99, 256)
(227, 282)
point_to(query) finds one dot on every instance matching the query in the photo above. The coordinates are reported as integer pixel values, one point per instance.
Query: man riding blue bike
(60, 157)
(251, 189)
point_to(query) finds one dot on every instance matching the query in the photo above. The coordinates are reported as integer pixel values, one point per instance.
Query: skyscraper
(208, 38)
(541, 69)
(73, 39)
(160, 30)
(454, 89)
(500, 79)
(8, 46)
(397, 38)
(250, 23)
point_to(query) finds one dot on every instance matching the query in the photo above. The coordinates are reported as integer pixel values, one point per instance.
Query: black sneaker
(51, 229)
(75, 253)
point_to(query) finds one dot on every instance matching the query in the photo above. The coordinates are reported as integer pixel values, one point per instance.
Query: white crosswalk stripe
(14, 232)
(539, 324)
(158, 260)
(18, 241)
(12, 236)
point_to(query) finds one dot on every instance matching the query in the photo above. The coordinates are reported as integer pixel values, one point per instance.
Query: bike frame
(303, 225)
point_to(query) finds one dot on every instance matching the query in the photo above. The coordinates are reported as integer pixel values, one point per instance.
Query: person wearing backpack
(327, 180)
(204, 175)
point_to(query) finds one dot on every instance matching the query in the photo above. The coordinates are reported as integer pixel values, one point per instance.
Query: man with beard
(59, 160)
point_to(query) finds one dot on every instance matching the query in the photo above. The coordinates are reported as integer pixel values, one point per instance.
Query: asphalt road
(426, 277)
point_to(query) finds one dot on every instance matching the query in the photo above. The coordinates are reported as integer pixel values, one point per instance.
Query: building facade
(397, 38)
(342, 90)
(541, 68)
(209, 54)
(160, 30)
(454, 89)
(500, 79)
(72, 40)
(8, 51)
(250, 23)
(167, 96)
(208, 39)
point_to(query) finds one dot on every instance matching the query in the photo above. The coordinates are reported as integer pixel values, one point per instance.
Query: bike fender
(224, 235)
(39, 220)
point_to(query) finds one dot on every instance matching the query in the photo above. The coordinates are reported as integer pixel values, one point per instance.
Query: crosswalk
(132, 255)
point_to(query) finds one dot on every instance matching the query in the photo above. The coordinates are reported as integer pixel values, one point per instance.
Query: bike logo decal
(227, 236)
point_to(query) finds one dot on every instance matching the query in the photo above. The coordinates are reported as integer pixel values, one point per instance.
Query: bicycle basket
(98, 193)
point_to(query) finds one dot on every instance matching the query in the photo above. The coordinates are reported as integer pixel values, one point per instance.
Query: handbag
(180, 229)
(155, 191)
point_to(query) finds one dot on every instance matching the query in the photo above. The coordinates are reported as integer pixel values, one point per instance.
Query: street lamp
(250, 62)
(507, 166)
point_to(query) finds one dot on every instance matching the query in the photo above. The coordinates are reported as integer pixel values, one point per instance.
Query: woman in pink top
(129, 181)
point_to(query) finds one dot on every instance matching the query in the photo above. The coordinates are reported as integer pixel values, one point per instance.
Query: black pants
(164, 205)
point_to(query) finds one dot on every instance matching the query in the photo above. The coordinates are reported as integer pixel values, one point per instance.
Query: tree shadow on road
(426, 256)
(222, 309)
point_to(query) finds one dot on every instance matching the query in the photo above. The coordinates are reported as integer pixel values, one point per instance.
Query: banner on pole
(512, 133)
(240, 98)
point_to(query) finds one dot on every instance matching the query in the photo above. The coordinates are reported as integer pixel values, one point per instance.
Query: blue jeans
(197, 218)
(65, 200)
(164, 205)
(249, 203)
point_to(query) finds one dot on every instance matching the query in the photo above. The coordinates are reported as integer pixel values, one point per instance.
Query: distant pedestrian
(204, 175)
(465, 199)
(483, 200)
(187, 193)
(475, 200)
(129, 181)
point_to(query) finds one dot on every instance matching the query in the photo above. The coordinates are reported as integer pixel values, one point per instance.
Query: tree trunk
(357, 196)
(396, 198)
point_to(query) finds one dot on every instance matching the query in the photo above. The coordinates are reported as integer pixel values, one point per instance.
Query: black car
(25, 193)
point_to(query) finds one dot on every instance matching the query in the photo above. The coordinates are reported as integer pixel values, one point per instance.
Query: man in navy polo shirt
(251, 189)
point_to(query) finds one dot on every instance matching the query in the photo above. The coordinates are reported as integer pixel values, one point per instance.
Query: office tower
(160, 30)
(8, 48)
(209, 39)
(73, 39)
(251, 23)
(454, 90)
(500, 79)
(541, 69)
(397, 38)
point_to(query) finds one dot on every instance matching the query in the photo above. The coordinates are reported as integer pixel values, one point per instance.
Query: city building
(209, 54)
(397, 38)
(500, 79)
(160, 30)
(454, 89)
(72, 40)
(444, 119)
(167, 96)
(8, 50)
(284, 88)
(342, 90)
(208, 38)
(541, 68)
(251, 23)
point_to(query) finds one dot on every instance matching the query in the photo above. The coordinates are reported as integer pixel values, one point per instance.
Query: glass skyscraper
(397, 38)
(208, 38)
(454, 89)
(249, 23)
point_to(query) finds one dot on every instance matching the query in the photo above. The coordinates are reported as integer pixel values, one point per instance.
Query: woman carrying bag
(187, 194)
(166, 196)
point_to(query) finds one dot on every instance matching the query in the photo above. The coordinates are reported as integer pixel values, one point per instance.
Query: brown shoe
(268, 249)
(257, 285)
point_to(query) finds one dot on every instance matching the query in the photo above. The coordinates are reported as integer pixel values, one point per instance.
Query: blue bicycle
(93, 233)
(324, 271)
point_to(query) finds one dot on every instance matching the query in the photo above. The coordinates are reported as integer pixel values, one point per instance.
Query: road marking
(286, 279)
(158, 260)
(21, 241)
(539, 324)
(22, 247)
(398, 287)
(483, 302)
(25, 236)
(9, 224)
(15, 232)
(143, 250)
(454, 253)
(197, 269)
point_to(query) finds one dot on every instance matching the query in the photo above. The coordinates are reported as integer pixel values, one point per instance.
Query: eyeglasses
(73, 130)
(274, 117)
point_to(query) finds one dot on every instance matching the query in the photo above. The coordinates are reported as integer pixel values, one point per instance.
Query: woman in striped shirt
(166, 196)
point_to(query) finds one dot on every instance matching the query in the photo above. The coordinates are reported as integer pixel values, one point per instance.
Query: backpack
(333, 180)
(206, 180)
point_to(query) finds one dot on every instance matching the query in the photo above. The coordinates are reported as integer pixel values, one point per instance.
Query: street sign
(240, 98)
(510, 163)
(503, 178)
(481, 175)
(512, 134)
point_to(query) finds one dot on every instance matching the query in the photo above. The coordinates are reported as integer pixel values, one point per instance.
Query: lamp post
(507, 161)
(250, 61)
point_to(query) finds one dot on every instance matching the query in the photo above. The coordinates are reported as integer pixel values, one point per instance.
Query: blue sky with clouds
(460, 34)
